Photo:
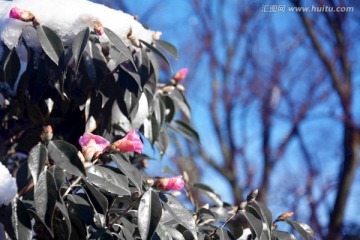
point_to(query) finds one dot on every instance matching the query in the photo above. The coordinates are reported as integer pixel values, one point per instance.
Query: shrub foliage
(108, 89)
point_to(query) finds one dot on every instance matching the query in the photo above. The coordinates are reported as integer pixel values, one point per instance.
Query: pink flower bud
(92, 144)
(23, 15)
(130, 143)
(180, 75)
(47, 133)
(173, 183)
(99, 28)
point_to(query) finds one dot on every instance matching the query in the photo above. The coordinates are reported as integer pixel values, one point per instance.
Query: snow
(67, 18)
(8, 186)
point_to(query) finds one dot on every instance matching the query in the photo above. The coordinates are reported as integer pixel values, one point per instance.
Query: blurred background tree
(275, 98)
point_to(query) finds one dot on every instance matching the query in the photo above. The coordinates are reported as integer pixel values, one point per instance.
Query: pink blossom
(173, 183)
(130, 143)
(23, 15)
(92, 144)
(180, 75)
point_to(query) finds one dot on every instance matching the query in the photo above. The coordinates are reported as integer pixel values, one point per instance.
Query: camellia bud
(22, 15)
(252, 195)
(92, 145)
(285, 216)
(130, 143)
(168, 89)
(167, 184)
(180, 75)
(47, 133)
(98, 28)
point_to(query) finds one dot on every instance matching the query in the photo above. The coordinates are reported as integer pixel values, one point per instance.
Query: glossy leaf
(119, 44)
(256, 224)
(11, 68)
(36, 160)
(65, 216)
(65, 156)
(58, 174)
(51, 43)
(167, 47)
(162, 232)
(181, 214)
(180, 101)
(187, 129)
(108, 180)
(95, 63)
(235, 228)
(45, 196)
(209, 193)
(129, 170)
(97, 198)
(81, 207)
(78, 46)
(302, 228)
(21, 221)
(280, 235)
(156, 51)
(149, 214)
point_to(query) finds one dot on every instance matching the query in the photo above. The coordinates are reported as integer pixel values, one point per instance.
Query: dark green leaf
(66, 217)
(23, 176)
(65, 156)
(81, 207)
(95, 63)
(108, 180)
(209, 193)
(50, 43)
(162, 232)
(155, 50)
(167, 47)
(175, 234)
(282, 235)
(163, 140)
(180, 213)
(235, 228)
(187, 129)
(119, 44)
(36, 160)
(11, 68)
(303, 229)
(21, 221)
(224, 234)
(129, 170)
(45, 196)
(149, 214)
(180, 101)
(171, 107)
(265, 213)
(97, 198)
(78, 46)
(58, 174)
(256, 224)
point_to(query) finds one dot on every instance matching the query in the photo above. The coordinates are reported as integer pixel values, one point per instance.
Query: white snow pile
(7, 186)
(67, 18)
